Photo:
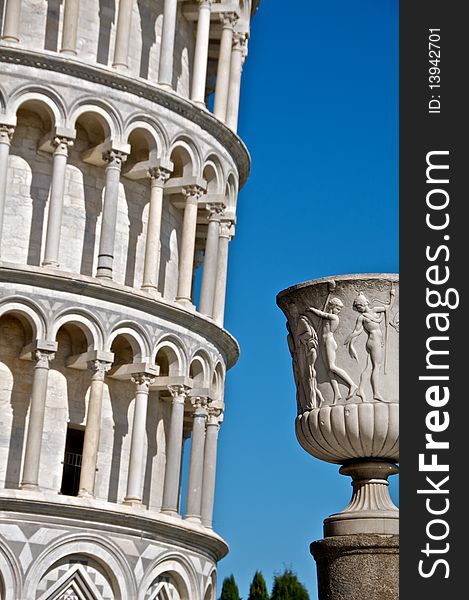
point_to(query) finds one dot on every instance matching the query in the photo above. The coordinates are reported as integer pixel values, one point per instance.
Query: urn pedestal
(343, 335)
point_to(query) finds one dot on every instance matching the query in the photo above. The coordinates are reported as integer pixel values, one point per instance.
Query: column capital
(142, 380)
(200, 405)
(193, 191)
(225, 229)
(114, 158)
(215, 210)
(205, 3)
(61, 145)
(159, 175)
(98, 368)
(228, 19)
(43, 357)
(6, 133)
(240, 41)
(178, 392)
(215, 416)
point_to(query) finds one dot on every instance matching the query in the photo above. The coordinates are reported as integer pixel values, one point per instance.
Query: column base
(171, 513)
(103, 275)
(193, 519)
(200, 104)
(166, 86)
(85, 494)
(105, 266)
(357, 567)
(30, 487)
(152, 291)
(186, 302)
(132, 501)
(50, 263)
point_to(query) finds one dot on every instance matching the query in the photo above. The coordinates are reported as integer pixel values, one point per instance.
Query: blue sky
(319, 114)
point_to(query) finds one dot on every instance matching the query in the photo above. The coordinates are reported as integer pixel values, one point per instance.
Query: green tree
(287, 587)
(229, 589)
(258, 588)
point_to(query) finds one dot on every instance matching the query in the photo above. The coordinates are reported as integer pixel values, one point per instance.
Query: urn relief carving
(343, 336)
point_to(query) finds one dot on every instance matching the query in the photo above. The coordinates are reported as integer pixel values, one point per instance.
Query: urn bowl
(343, 336)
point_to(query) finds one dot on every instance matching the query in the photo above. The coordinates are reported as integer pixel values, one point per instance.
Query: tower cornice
(73, 67)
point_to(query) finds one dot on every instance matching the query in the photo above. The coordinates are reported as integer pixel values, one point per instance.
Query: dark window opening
(72, 462)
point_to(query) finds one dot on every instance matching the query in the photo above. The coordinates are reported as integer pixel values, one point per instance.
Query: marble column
(199, 73)
(137, 445)
(224, 63)
(98, 369)
(186, 256)
(234, 90)
(222, 272)
(6, 134)
(172, 474)
(32, 455)
(70, 27)
(114, 161)
(56, 201)
(165, 73)
(209, 273)
(11, 21)
(186, 434)
(210, 467)
(196, 462)
(158, 177)
(124, 22)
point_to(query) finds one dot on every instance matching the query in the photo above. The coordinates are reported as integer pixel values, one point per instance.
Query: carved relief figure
(330, 322)
(296, 374)
(307, 354)
(303, 344)
(369, 320)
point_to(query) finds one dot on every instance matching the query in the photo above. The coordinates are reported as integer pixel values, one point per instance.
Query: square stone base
(357, 567)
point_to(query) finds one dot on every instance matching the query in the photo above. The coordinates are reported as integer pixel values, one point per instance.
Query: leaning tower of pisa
(120, 168)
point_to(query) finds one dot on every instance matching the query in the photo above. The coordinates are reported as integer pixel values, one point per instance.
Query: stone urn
(343, 335)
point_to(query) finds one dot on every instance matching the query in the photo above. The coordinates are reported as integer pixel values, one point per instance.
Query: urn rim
(392, 277)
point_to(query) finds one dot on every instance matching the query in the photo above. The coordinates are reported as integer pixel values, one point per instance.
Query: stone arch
(186, 157)
(38, 111)
(135, 335)
(218, 380)
(3, 99)
(211, 586)
(231, 191)
(41, 98)
(28, 312)
(199, 368)
(144, 144)
(10, 574)
(104, 552)
(213, 174)
(86, 322)
(95, 122)
(103, 112)
(154, 129)
(22, 328)
(180, 569)
(174, 352)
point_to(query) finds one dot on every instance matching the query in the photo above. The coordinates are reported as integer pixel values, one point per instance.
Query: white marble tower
(118, 191)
